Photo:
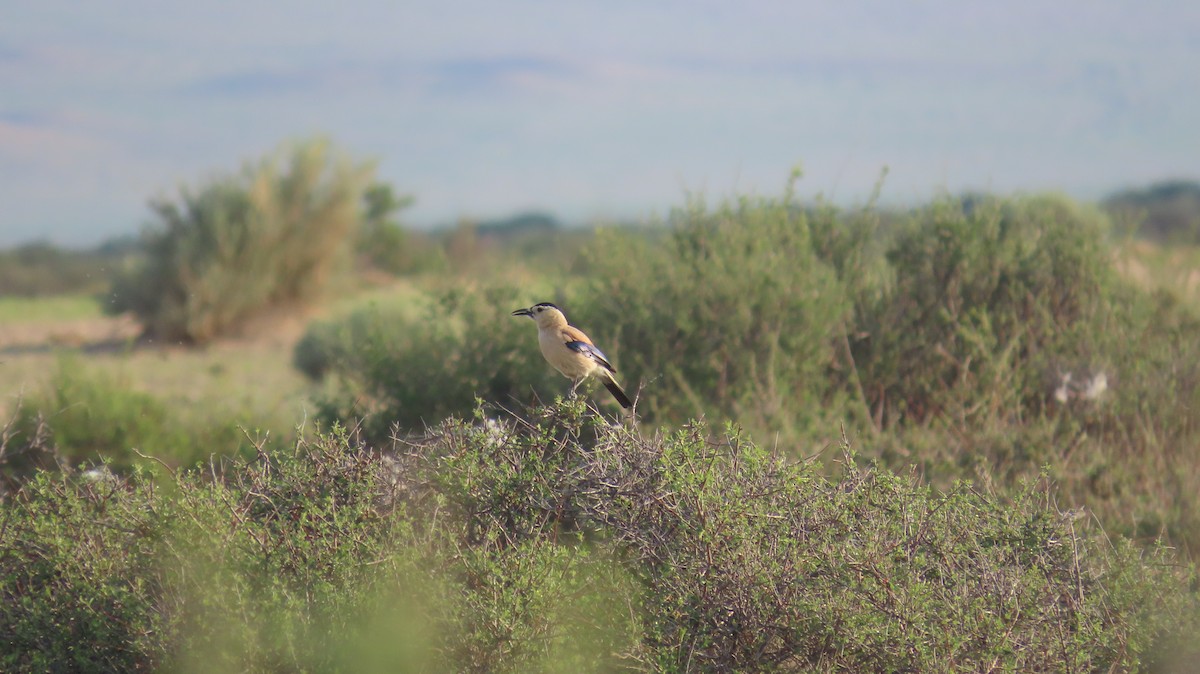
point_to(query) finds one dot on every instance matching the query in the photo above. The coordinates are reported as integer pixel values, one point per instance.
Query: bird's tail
(615, 389)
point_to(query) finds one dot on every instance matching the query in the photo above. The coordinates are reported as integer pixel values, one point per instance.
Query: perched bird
(570, 351)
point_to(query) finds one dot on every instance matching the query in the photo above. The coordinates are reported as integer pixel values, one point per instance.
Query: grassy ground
(1176, 269)
(16, 310)
(250, 377)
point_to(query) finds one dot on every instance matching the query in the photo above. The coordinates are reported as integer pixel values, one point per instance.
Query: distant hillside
(523, 224)
(1166, 212)
(41, 269)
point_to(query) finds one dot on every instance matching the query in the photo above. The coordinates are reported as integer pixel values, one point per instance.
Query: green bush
(267, 237)
(257, 574)
(559, 542)
(79, 577)
(394, 367)
(989, 302)
(733, 316)
(988, 296)
(90, 417)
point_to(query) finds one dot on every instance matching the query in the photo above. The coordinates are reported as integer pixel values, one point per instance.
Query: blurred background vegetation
(995, 339)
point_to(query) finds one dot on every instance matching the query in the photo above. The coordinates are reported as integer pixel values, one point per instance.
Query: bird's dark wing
(591, 351)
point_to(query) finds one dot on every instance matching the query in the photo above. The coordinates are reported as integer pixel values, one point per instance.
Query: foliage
(942, 337)
(965, 357)
(385, 244)
(988, 297)
(560, 542)
(733, 316)
(89, 417)
(78, 577)
(267, 237)
(394, 367)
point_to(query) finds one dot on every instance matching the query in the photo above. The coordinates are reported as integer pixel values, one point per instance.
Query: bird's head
(544, 314)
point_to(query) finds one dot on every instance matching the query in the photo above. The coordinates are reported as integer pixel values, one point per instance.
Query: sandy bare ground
(88, 334)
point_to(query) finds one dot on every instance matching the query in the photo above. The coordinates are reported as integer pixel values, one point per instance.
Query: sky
(589, 110)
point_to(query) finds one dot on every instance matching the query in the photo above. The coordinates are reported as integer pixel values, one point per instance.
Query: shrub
(990, 303)
(938, 340)
(733, 316)
(256, 574)
(396, 367)
(90, 417)
(79, 577)
(988, 296)
(267, 237)
(747, 563)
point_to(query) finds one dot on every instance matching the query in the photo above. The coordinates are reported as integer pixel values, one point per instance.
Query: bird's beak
(523, 312)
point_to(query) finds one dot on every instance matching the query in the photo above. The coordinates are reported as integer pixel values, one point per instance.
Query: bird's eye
(540, 309)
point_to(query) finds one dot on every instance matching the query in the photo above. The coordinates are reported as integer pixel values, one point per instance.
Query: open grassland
(246, 374)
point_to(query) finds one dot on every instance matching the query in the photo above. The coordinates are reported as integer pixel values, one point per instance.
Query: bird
(571, 352)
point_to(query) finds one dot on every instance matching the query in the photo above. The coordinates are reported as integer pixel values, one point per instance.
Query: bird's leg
(575, 388)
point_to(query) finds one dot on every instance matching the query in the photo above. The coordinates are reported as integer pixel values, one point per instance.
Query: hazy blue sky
(589, 109)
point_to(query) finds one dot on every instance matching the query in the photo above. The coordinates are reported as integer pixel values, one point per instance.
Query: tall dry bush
(268, 236)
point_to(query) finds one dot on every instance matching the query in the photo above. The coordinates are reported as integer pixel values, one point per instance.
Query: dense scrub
(965, 341)
(987, 299)
(978, 338)
(559, 542)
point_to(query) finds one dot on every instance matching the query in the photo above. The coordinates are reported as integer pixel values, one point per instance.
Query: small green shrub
(91, 417)
(79, 577)
(268, 237)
